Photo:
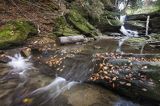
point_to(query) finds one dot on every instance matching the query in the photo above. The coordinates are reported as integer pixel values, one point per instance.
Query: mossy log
(135, 77)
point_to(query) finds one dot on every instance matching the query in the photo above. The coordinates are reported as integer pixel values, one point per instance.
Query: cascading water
(52, 91)
(128, 33)
(19, 64)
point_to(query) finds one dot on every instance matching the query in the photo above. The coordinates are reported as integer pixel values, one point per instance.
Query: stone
(26, 52)
(128, 84)
(15, 32)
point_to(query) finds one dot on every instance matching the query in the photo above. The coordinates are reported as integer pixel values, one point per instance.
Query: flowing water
(19, 64)
(61, 84)
(58, 77)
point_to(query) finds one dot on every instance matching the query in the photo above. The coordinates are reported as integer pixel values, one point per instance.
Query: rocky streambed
(127, 74)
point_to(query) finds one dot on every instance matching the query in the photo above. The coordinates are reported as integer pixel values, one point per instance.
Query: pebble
(144, 89)
(114, 79)
(106, 77)
(128, 84)
(105, 68)
(105, 72)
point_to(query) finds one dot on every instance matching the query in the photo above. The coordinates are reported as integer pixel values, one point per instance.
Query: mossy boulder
(154, 37)
(62, 28)
(15, 32)
(81, 24)
(109, 23)
(74, 23)
(136, 40)
(100, 13)
(142, 10)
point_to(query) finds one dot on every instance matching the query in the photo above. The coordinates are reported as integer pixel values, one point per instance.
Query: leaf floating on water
(27, 101)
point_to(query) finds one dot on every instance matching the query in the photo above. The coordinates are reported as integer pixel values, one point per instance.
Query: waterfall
(121, 6)
(147, 25)
(125, 31)
(128, 33)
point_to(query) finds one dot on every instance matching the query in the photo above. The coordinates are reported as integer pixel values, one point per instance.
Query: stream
(59, 77)
(64, 75)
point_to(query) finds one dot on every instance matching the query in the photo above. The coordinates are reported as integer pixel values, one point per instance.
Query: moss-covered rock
(62, 28)
(14, 32)
(143, 10)
(136, 40)
(74, 23)
(109, 23)
(155, 37)
(81, 24)
(100, 13)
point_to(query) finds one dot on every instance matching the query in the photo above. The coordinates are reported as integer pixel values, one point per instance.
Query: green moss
(63, 28)
(143, 10)
(80, 23)
(14, 32)
(137, 23)
(106, 21)
(136, 40)
(155, 37)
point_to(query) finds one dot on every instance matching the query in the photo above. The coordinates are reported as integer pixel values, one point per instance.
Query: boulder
(73, 23)
(136, 77)
(100, 13)
(15, 32)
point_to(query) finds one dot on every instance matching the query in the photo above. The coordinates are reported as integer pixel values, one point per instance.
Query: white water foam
(125, 31)
(19, 64)
(128, 32)
(55, 88)
(122, 18)
(121, 6)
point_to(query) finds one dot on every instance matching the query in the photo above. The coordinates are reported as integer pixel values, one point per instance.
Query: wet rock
(63, 28)
(130, 80)
(26, 52)
(139, 26)
(79, 22)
